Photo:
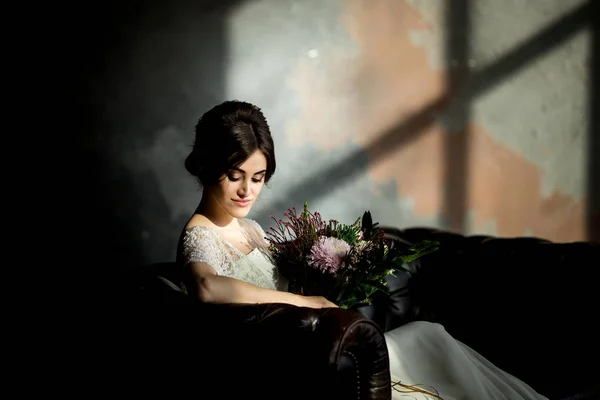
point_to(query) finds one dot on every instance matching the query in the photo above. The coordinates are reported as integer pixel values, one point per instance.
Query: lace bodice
(202, 244)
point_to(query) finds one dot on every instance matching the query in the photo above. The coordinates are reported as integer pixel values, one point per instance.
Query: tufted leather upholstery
(285, 351)
(527, 304)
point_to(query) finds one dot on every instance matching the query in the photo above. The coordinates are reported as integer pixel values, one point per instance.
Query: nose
(244, 189)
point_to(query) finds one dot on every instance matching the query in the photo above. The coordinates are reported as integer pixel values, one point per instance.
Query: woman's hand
(318, 302)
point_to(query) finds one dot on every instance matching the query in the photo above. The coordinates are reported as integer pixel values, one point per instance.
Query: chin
(240, 212)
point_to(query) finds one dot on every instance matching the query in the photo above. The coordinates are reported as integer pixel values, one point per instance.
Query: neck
(214, 212)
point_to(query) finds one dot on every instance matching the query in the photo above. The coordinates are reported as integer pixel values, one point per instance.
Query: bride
(221, 253)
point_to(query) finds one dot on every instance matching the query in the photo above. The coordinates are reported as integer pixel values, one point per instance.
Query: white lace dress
(202, 244)
(420, 353)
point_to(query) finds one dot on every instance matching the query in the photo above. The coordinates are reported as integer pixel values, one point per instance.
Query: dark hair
(226, 136)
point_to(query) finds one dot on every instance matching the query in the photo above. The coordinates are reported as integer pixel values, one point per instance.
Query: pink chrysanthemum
(328, 254)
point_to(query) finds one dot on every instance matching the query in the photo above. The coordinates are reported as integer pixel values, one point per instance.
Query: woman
(221, 252)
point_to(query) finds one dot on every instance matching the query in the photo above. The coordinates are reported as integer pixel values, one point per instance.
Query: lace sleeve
(260, 231)
(200, 245)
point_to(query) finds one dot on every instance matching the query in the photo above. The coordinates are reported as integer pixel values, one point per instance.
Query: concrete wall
(423, 114)
(336, 79)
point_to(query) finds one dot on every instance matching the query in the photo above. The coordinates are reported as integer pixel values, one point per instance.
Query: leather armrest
(345, 351)
(275, 350)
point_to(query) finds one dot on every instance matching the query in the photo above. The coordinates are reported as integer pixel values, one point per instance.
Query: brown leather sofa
(527, 304)
(267, 351)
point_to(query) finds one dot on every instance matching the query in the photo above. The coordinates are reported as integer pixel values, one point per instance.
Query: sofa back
(528, 305)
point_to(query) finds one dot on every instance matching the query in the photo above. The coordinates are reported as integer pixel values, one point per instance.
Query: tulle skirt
(425, 355)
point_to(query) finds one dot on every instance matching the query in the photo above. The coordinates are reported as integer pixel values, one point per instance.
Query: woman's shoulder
(198, 221)
(198, 229)
(198, 232)
(255, 225)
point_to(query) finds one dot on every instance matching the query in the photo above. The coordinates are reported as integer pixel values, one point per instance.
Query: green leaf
(349, 302)
(419, 250)
(374, 286)
(305, 211)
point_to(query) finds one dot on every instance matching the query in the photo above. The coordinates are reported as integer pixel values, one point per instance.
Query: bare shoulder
(199, 220)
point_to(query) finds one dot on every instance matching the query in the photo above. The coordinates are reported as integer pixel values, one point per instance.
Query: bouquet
(347, 264)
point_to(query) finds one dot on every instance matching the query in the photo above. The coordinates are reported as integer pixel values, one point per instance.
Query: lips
(242, 203)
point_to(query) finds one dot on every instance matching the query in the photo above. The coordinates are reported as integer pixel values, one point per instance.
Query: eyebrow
(243, 172)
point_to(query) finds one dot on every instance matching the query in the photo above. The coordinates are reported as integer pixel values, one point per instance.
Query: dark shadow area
(478, 83)
(141, 73)
(456, 141)
(593, 158)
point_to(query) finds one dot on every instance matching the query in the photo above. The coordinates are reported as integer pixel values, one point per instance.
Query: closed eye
(257, 177)
(255, 180)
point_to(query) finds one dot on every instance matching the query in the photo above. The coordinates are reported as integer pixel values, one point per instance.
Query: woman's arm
(212, 288)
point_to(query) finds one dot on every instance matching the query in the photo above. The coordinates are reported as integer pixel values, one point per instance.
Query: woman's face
(239, 189)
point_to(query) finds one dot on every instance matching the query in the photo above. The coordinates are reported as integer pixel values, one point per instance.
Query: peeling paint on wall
(359, 96)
